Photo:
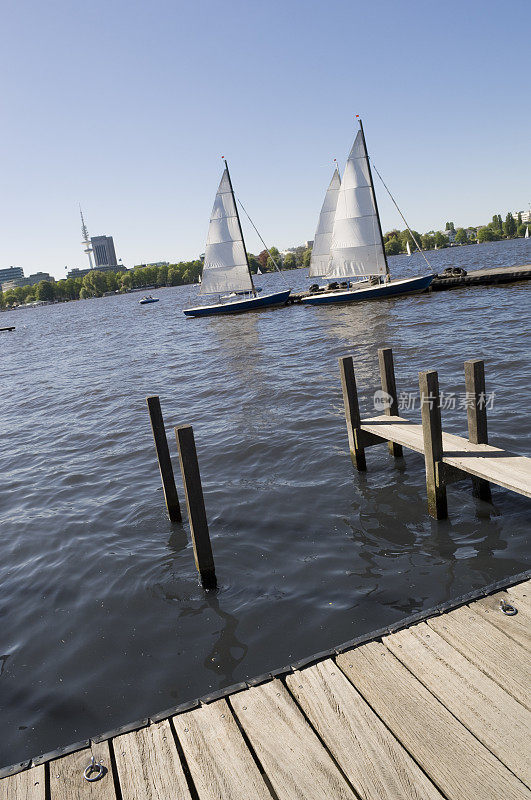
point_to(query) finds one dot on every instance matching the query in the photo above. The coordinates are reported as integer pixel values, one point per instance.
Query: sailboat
(408, 248)
(526, 232)
(356, 247)
(226, 265)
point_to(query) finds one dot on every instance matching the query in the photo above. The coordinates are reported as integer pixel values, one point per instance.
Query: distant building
(103, 249)
(37, 277)
(526, 215)
(309, 244)
(11, 273)
(77, 273)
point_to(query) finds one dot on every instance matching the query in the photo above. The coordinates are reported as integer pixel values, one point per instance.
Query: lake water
(102, 617)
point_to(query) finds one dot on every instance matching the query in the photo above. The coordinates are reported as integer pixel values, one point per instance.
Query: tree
(509, 226)
(306, 258)
(488, 235)
(521, 230)
(94, 283)
(44, 291)
(441, 240)
(449, 226)
(262, 258)
(273, 257)
(290, 261)
(2, 299)
(253, 263)
(461, 236)
(427, 241)
(393, 247)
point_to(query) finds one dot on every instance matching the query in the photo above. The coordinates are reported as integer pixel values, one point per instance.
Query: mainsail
(356, 247)
(323, 234)
(225, 268)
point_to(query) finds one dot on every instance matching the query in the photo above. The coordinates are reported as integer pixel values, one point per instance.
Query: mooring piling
(352, 412)
(163, 458)
(477, 417)
(195, 503)
(387, 378)
(433, 445)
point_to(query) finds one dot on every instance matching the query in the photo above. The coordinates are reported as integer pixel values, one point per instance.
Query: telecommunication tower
(86, 239)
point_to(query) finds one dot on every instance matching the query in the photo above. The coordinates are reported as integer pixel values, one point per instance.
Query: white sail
(526, 232)
(225, 268)
(408, 248)
(356, 247)
(323, 234)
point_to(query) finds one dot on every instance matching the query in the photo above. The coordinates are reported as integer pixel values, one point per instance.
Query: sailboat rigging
(353, 246)
(226, 265)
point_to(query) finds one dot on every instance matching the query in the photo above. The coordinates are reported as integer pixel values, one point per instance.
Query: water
(102, 617)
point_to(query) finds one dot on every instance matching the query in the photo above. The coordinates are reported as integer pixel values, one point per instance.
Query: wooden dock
(477, 277)
(448, 458)
(434, 708)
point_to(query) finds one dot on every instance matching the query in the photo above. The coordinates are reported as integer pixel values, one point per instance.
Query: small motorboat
(148, 299)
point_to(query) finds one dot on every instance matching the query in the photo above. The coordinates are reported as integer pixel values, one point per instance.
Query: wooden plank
(388, 382)
(193, 490)
(452, 757)
(517, 627)
(220, 763)
(67, 781)
(490, 713)
(149, 767)
(521, 593)
(477, 417)
(352, 411)
(501, 658)
(375, 763)
(163, 458)
(433, 444)
(27, 785)
(295, 761)
(399, 430)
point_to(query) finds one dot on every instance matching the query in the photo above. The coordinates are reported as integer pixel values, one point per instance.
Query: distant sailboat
(435, 248)
(353, 245)
(226, 265)
(408, 248)
(526, 232)
(259, 271)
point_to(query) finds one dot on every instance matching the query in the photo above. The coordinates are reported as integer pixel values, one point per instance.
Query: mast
(240, 226)
(374, 196)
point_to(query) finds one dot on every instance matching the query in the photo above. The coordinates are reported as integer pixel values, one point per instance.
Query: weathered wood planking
(292, 756)
(375, 763)
(220, 763)
(498, 656)
(28, 785)
(67, 781)
(492, 715)
(517, 627)
(484, 461)
(468, 770)
(521, 593)
(148, 764)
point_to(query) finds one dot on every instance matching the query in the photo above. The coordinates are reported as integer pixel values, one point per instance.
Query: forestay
(225, 268)
(356, 247)
(323, 234)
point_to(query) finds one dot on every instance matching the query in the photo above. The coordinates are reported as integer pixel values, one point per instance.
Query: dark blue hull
(391, 289)
(239, 306)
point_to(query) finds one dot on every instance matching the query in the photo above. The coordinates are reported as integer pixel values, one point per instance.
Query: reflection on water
(103, 617)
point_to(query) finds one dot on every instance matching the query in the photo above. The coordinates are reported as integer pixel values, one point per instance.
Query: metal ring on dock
(94, 771)
(507, 608)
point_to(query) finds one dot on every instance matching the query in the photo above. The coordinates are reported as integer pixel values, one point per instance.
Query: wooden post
(204, 559)
(477, 418)
(387, 377)
(163, 457)
(433, 447)
(352, 411)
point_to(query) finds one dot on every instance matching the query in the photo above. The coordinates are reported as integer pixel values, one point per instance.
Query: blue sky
(127, 107)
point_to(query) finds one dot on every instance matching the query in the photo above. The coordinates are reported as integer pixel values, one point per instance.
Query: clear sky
(127, 107)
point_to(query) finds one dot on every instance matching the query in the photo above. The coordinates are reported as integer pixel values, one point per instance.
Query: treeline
(396, 241)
